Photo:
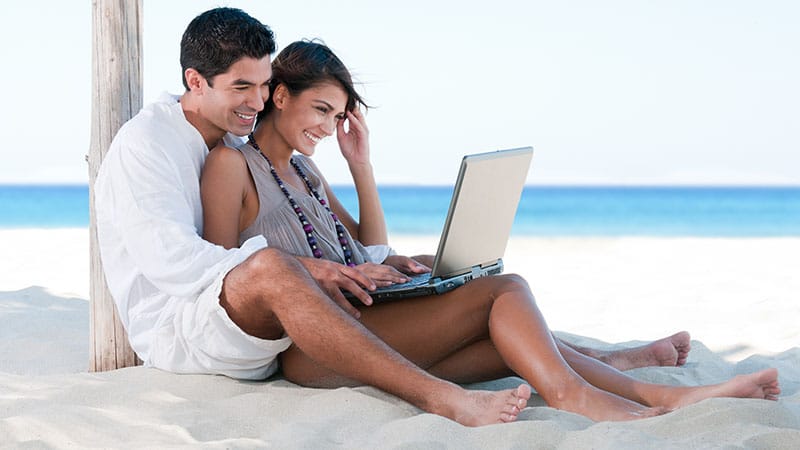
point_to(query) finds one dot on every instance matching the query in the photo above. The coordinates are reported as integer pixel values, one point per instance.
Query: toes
(773, 391)
(661, 410)
(507, 417)
(523, 393)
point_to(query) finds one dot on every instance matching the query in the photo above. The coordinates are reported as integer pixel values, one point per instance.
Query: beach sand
(740, 299)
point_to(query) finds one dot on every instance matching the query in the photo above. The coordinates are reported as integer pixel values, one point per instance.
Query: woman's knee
(516, 281)
(505, 283)
(478, 297)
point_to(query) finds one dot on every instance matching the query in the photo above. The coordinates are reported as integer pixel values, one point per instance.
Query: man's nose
(257, 99)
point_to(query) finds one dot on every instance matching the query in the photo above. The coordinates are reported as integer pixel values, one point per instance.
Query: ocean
(543, 210)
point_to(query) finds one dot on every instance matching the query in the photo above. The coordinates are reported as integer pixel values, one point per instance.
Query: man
(192, 307)
(181, 298)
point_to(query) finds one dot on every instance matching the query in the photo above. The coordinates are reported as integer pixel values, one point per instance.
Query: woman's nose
(329, 126)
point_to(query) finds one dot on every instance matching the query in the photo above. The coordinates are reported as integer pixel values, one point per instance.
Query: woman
(486, 329)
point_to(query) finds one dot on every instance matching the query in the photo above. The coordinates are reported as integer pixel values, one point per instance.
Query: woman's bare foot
(600, 405)
(476, 408)
(669, 351)
(760, 385)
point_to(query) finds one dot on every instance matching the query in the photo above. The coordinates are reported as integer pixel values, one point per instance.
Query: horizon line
(534, 185)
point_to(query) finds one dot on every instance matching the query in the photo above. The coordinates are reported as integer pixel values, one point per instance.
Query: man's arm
(149, 203)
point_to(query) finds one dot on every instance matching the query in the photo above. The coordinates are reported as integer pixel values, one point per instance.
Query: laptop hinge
(476, 272)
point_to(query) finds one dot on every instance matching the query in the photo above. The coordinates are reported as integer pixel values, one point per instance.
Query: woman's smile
(313, 137)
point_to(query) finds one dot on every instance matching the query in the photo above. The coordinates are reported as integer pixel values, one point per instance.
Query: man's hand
(334, 277)
(411, 266)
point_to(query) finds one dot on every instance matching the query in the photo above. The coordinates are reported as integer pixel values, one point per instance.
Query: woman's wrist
(360, 169)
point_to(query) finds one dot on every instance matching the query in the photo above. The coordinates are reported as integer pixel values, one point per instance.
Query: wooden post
(116, 97)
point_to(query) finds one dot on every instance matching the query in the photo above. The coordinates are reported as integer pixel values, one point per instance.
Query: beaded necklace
(307, 227)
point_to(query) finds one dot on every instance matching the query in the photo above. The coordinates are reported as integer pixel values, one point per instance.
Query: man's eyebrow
(241, 82)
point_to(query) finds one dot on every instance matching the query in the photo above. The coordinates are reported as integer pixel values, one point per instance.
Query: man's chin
(240, 131)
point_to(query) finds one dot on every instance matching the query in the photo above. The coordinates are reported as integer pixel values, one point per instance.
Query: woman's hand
(411, 266)
(354, 143)
(382, 274)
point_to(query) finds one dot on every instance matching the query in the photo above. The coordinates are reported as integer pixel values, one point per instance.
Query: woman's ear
(280, 96)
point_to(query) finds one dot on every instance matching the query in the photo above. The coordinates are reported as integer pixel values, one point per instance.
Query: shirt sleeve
(378, 253)
(154, 212)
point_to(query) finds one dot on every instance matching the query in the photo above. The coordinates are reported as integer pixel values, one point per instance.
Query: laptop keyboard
(416, 280)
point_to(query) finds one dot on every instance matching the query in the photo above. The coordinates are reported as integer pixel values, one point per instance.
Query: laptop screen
(482, 210)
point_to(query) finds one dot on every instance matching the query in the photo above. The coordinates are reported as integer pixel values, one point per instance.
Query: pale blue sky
(614, 92)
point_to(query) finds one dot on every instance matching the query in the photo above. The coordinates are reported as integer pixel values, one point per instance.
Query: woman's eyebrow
(324, 103)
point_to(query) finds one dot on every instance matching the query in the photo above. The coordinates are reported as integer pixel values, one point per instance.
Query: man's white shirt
(150, 220)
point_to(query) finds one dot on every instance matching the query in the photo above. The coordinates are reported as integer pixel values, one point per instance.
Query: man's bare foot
(760, 385)
(476, 408)
(600, 405)
(669, 351)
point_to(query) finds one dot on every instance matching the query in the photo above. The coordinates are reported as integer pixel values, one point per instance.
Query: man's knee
(253, 289)
(269, 277)
(260, 278)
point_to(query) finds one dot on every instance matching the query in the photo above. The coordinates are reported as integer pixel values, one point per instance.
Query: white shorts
(201, 338)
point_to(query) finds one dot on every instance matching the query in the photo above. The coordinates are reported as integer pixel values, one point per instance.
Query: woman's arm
(354, 144)
(224, 187)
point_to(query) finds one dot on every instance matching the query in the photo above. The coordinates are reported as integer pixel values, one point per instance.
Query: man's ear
(280, 96)
(195, 81)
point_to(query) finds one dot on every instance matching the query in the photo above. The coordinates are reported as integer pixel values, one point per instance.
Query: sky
(636, 92)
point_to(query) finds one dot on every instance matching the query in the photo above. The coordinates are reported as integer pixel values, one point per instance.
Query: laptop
(477, 227)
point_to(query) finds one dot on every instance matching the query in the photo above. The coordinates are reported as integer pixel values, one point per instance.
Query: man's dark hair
(219, 37)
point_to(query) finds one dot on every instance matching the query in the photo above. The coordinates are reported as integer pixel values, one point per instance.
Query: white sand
(740, 298)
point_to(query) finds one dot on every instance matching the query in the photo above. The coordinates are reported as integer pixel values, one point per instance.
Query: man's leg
(272, 293)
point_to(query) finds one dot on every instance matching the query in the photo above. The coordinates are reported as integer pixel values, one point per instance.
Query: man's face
(234, 98)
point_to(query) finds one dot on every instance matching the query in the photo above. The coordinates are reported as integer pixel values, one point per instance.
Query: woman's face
(307, 118)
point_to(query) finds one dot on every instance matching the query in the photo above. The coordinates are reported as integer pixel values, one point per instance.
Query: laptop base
(434, 286)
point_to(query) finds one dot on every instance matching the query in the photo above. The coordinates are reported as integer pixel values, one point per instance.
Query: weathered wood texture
(116, 97)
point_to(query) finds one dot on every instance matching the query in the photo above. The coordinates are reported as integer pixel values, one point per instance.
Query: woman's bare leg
(473, 364)
(669, 351)
(430, 330)
(523, 340)
(480, 362)
(761, 385)
(448, 335)
(460, 368)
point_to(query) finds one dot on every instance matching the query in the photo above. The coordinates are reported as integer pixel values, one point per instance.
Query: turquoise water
(543, 211)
